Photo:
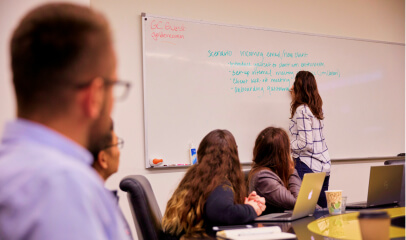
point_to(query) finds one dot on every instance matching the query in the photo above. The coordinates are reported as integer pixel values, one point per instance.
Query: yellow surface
(346, 226)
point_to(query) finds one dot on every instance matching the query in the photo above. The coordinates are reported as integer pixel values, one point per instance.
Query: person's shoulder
(225, 185)
(264, 174)
(304, 110)
(55, 190)
(267, 173)
(46, 173)
(299, 109)
(266, 179)
(263, 171)
(79, 179)
(223, 188)
(69, 169)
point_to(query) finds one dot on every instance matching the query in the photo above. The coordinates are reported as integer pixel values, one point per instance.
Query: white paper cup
(334, 200)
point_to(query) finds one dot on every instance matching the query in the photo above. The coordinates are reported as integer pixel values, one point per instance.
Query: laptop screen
(385, 184)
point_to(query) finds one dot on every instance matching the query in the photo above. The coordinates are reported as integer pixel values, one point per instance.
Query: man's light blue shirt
(48, 189)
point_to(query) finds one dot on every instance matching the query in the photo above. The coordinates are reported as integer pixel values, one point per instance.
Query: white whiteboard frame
(145, 15)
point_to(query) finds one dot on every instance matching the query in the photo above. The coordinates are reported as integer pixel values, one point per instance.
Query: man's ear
(102, 159)
(93, 101)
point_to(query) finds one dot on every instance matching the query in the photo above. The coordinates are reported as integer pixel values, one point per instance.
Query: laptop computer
(306, 200)
(384, 188)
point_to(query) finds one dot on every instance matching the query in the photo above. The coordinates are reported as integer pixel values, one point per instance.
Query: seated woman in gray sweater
(273, 174)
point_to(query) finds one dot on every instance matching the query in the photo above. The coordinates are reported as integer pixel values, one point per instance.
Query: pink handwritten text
(171, 27)
(167, 26)
(157, 24)
(160, 35)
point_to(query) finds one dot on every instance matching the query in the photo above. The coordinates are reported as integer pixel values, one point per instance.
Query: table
(323, 226)
(346, 226)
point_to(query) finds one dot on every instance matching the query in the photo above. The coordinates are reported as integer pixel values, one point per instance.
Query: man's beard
(99, 130)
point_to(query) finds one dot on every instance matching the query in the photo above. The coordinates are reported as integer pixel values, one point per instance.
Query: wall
(10, 14)
(374, 19)
(377, 20)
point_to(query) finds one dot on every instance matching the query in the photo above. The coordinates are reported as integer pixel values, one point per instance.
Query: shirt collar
(25, 130)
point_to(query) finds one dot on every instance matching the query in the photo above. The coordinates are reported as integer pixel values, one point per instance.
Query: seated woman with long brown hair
(273, 174)
(212, 192)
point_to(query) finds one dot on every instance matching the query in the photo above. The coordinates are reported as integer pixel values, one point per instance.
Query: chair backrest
(246, 172)
(402, 191)
(144, 207)
(395, 162)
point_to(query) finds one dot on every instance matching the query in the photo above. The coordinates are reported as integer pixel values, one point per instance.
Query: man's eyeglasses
(120, 88)
(119, 144)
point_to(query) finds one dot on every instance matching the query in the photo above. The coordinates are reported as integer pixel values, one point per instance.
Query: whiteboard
(200, 76)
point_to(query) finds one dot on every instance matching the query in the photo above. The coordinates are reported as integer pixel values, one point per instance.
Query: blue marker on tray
(193, 155)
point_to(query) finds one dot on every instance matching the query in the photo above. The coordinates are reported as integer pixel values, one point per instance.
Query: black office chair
(402, 191)
(395, 162)
(144, 207)
(246, 172)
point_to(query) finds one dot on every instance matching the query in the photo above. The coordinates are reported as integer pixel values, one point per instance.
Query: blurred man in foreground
(64, 72)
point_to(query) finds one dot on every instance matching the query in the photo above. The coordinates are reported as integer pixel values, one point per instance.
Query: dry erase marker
(193, 154)
(156, 161)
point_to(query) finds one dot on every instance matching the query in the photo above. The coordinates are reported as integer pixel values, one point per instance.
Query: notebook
(306, 200)
(384, 188)
(262, 233)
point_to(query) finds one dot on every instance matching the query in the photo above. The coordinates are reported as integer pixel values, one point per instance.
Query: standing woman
(212, 192)
(309, 148)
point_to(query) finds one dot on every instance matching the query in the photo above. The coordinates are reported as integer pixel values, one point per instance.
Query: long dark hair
(272, 151)
(218, 162)
(305, 92)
